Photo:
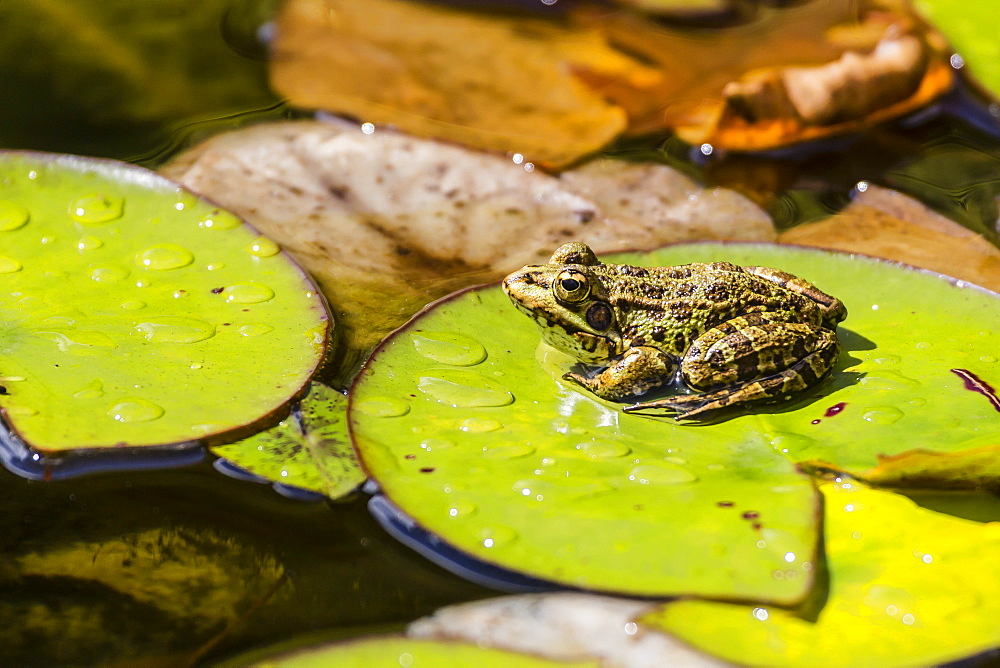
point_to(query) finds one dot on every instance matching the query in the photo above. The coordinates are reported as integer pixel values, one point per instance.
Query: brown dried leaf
(491, 82)
(387, 223)
(889, 224)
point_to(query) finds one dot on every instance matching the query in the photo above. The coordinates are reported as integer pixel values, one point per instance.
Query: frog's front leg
(636, 371)
(753, 358)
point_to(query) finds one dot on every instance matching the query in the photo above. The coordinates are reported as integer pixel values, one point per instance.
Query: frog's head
(570, 304)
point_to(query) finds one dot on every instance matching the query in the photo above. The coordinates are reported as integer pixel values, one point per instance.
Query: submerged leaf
(891, 225)
(561, 626)
(387, 223)
(967, 25)
(136, 314)
(309, 449)
(908, 586)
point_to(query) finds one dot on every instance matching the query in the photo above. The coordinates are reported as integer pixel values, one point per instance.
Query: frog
(725, 335)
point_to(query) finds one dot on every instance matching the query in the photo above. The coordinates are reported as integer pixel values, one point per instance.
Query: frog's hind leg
(751, 359)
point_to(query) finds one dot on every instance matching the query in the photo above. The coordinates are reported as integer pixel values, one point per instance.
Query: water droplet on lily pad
(218, 220)
(175, 329)
(509, 451)
(108, 273)
(263, 247)
(599, 449)
(89, 243)
(882, 414)
(13, 216)
(135, 409)
(461, 509)
(477, 425)
(133, 305)
(77, 340)
(432, 444)
(382, 407)
(449, 348)
(495, 536)
(163, 257)
(247, 293)
(660, 474)
(96, 209)
(255, 329)
(9, 265)
(92, 390)
(463, 389)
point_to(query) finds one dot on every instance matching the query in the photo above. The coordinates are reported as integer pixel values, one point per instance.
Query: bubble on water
(461, 509)
(92, 390)
(175, 329)
(135, 409)
(463, 389)
(247, 293)
(9, 265)
(882, 414)
(88, 243)
(219, 220)
(381, 407)
(603, 449)
(479, 425)
(163, 257)
(13, 216)
(107, 273)
(509, 451)
(449, 348)
(255, 329)
(497, 535)
(263, 247)
(660, 474)
(96, 209)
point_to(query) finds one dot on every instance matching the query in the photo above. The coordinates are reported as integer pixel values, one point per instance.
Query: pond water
(216, 566)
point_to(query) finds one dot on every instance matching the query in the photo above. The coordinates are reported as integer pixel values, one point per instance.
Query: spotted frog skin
(738, 335)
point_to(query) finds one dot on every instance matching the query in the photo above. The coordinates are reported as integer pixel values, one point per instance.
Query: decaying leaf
(386, 223)
(889, 224)
(504, 84)
(555, 89)
(565, 626)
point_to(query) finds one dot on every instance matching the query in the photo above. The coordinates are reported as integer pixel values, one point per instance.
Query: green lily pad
(478, 439)
(136, 314)
(399, 651)
(507, 462)
(967, 24)
(909, 586)
(309, 449)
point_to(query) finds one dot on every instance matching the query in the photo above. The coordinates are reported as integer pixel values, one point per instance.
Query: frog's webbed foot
(636, 371)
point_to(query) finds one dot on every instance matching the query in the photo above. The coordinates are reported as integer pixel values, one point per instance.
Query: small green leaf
(137, 314)
(308, 449)
(397, 651)
(908, 586)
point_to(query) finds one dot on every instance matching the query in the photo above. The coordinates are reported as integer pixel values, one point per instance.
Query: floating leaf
(508, 463)
(136, 314)
(309, 449)
(387, 223)
(394, 650)
(908, 586)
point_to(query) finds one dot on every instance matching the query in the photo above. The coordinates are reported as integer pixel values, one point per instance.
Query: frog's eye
(571, 287)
